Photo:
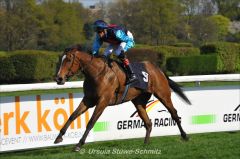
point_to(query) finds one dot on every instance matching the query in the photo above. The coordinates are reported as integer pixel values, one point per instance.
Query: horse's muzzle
(60, 80)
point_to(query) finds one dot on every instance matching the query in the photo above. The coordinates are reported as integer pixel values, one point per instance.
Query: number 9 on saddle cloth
(142, 76)
(138, 69)
(142, 79)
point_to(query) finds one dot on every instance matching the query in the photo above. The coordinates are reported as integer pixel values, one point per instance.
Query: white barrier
(53, 85)
(201, 78)
(34, 121)
(39, 86)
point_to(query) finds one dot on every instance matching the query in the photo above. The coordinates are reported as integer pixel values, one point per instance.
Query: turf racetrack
(219, 145)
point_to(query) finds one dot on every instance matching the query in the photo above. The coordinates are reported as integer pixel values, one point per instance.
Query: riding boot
(131, 75)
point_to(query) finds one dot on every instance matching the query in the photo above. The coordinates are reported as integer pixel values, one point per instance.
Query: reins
(77, 61)
(83, 67)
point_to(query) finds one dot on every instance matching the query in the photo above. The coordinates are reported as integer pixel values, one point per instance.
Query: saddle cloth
(140, 71)
(142, 76)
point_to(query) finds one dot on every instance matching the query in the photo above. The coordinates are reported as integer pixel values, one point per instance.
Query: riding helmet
(100, 25)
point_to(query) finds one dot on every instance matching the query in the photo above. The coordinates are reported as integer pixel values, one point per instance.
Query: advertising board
(34, 121)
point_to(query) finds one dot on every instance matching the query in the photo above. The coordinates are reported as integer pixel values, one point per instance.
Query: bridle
(70, 72)
(76, 61)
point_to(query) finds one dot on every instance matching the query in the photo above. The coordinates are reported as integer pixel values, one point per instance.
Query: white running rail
(79, 84)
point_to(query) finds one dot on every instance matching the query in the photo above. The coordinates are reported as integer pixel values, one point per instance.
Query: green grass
(224, 145)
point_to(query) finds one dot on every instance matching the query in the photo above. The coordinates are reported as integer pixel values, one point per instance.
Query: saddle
(138, 68)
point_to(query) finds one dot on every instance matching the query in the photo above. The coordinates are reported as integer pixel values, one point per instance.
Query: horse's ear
(71, 53)
(67, 49)
(79, 47)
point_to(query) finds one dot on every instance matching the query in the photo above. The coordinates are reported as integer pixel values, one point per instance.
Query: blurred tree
(120, 13)
(101, 11)
(222, 25)
(151, 21)
(50, 25)
(160, 19)
(198, 7)
(55, 24)
(203, 30)
(229, 8)
(19, 26)
(208, 7)
(189, 8)
(62, 25)
(193, 8)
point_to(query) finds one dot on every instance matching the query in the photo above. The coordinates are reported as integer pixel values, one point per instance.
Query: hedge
(3, 53)
(165, 52)
(183, 45)
(229, 54)
(7, 70)
(29, 66)
(193, 65)
(170, 51)
(184, 50)
(137, 54)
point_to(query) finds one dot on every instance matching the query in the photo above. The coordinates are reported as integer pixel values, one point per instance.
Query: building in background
(90, 3)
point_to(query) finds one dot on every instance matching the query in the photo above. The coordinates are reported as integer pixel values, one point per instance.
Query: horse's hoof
(76, 149)
(185, 137)
(146, 142)
(58, 140)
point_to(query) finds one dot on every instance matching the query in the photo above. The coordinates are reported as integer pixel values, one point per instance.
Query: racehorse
(104, 86)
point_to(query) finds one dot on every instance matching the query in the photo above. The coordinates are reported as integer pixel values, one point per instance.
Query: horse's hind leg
(84, 105)
(140, 104)
(165, 99)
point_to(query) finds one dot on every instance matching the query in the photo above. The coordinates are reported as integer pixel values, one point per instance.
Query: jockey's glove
(95, 53)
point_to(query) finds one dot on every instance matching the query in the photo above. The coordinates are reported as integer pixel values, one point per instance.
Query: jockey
(119, 39)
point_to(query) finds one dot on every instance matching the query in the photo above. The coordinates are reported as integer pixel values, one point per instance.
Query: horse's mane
(72, 47)
(85, 49)
(109, 61)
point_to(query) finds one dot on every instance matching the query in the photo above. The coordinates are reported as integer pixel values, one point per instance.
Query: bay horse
(104, 86)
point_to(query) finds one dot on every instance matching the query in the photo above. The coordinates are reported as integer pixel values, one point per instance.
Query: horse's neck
(91, 66)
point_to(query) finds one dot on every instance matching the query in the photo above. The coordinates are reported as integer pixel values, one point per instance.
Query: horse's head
(69, 65)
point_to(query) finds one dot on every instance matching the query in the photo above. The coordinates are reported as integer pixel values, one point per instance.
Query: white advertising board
(212, 110)
(34, 121)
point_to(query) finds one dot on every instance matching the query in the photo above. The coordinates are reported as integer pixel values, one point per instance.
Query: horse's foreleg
(140, 104)
(147, 123)
(80, 110)
(96, 114)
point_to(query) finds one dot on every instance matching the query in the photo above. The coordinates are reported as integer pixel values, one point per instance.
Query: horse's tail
(177, 89)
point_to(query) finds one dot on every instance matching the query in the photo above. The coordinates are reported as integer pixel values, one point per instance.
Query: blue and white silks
(126, 42)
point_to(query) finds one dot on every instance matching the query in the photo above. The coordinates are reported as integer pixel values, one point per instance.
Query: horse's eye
(68, 60)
